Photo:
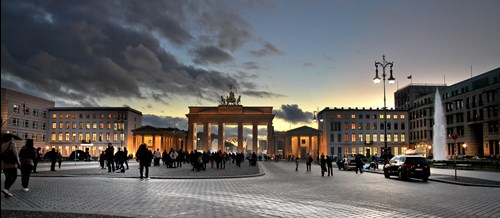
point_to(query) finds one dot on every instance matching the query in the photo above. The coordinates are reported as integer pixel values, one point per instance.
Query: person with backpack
(10, 163)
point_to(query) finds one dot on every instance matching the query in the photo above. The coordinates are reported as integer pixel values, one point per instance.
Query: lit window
(15, 108)
(67, 137)
(389, 138)
(61, 125)
(360, 136)
(94, 125)
(15, 121)
(53, 136)
(94, 137)
(54, 125)
(353, 137)
(382, 138)
(403, 137)
(68, 116)
(60, 137)
(74, 125)
(388, 116)
(353, 125)
(339, 116)
(353, 116)
(87, 125)
(402, 116)
(73, 137)
(396, 138)
(375, 138)
(395, 116)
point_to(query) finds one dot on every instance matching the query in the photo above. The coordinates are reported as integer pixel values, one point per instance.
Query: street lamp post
(391, 80)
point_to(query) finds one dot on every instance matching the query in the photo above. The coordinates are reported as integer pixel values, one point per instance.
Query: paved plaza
(273, 189)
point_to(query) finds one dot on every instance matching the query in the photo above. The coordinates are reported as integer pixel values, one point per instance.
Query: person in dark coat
(329, 164)
(120, 159)
(359, 164)
(126, 156)
(26, 155)
(102, 158)
(110, 158)
(323, 164)
(53, 159)
(38, 156)
(144, 156)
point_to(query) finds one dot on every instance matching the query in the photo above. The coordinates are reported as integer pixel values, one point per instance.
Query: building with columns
(229, 112)
(159, 138)
(299, 142)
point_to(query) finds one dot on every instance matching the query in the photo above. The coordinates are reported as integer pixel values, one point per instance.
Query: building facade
(26, 116)
(92, 128)
(471, 110)
(162, 139)
(361, 131)
(299, 142)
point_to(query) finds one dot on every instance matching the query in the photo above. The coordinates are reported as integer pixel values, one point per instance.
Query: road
(281, 192)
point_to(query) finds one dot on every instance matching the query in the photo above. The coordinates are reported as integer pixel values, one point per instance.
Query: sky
(298, 56)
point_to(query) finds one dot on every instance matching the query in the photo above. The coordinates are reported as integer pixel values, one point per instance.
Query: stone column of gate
(191, 137)
(255, 134)
(271, 147)
(220, 140)
(206, 134)
(309, 147)
(240, 137)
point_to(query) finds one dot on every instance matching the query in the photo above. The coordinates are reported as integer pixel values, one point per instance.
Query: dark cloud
(211, 54)
(164, 121)
(251, 65)
(82, 52)
(268, 49)
(293, 114)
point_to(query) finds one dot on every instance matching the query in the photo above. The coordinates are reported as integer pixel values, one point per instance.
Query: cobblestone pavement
(281, 192)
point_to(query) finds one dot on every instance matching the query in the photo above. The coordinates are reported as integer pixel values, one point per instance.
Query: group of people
(25, 160)
(114, 161)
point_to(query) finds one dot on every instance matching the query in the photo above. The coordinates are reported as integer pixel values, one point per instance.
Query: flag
(409, 77)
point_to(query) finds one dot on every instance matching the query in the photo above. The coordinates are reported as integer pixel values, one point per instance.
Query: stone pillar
(191, 137)
(221, 137)
(255, 139)
(162, 146)
(240, 137)
(206, 134)
(310, 146)
(271, 147)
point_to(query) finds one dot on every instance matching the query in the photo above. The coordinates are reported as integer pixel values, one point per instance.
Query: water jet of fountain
(439, 137)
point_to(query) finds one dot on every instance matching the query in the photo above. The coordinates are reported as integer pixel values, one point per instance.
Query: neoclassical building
(299, 142)
(229, 112)
(159, 138)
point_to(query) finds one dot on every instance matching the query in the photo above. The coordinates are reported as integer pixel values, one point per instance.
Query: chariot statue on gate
(230, 100)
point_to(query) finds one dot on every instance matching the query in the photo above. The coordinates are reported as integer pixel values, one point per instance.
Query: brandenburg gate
(229, 112)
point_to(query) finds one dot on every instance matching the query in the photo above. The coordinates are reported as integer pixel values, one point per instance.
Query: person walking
(110, 158)
(329, 164)
(53, 159)
(102, 158)
(144, 157)
(125, 151)
(297, 161)
(359, 164)
(59, 158)
(27, 154)
(323, 164)
(309, 162)
(157, 157)
(38, 156)
(10, 163)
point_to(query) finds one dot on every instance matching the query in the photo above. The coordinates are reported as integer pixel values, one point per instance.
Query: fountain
(439, 137)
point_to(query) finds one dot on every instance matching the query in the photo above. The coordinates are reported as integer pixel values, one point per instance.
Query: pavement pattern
(273, 189)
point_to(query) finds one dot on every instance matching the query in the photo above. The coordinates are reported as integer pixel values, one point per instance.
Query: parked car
(408, 166)
(350, 163)
(80, 155)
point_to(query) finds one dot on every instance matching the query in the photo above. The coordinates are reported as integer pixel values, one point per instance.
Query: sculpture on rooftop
(230, 100)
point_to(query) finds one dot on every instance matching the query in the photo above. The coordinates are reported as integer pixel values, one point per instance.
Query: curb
(448, 181)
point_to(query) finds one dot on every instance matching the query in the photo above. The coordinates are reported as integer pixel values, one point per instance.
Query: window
(61, 116)
(108, 125)
(346, 137)
(375, 139)
(80, 137)
(54, 125)
(67, 137)
(60, 137)
(339, 116)
(15, 108)
(44, 114)
(388, 116)
(94, 137)
(35, 112)
(101, 125)
(73, 137)
(54, 116)
(80, 125)
(73, 116)
(402, 116)
(26, 110)
(94, 116)
(360, 126)
(73, 125)
(346, 125)
(353, 116)
(115, 137)
(108, 137)
(368, 138)
(26, 124)
(61, 125)
(353, 137)
(332, 138)
(15, 121)
(68, 124)
(395, 116)
(381, 116)
(382, 138)
(53, 136)
(353, 125)
(403, 137)
(102, 116)
(68, 116)
(43, 126)
(35, 125)
(94, 125)
(100, 137)
(360, 136)
(87, 125)
(389, 137)
(367, 126)
(109, 116)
